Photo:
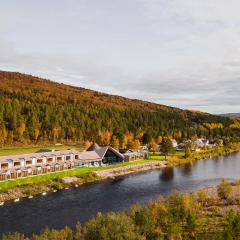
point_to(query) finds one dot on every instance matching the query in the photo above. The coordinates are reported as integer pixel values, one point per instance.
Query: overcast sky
(184, 53)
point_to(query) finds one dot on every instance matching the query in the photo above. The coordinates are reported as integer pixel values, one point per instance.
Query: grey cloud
(183, 53)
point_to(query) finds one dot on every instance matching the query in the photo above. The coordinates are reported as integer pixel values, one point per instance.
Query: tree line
(33, 110)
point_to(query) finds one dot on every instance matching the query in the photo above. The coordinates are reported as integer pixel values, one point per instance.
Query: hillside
(38, 110)
(48, 91)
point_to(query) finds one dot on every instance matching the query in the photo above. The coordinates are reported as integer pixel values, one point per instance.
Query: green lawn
(43, 178)
(5, 151)
(161, 157)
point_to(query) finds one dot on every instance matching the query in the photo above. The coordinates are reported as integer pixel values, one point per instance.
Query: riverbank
(135, 168)
(204, 154)
(52, 182)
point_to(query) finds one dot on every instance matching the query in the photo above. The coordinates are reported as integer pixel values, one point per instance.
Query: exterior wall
(135, 156)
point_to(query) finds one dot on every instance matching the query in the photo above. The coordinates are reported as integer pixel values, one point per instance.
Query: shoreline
(128, 170)
(95, 175)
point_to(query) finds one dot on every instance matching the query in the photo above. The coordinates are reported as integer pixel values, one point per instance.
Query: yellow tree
(21, 129)
(159, 140)
(87, 144)
(100, 137)
(136, 144)
(36, 133)
(107, 137)
(3, 135)
(139, 134)
(129, 138)
(115, 142)
(152, 145)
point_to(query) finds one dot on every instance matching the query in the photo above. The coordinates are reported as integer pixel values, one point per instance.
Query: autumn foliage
(35, 110)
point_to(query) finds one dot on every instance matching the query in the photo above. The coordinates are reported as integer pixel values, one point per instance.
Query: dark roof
(43, 150)
(93, 147)
(101, 151)
(125, 150)
(116, 152)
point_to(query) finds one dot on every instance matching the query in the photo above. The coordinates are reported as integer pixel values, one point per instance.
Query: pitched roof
(93, 147)
(125, 150)
(89, 155)
(101, 151)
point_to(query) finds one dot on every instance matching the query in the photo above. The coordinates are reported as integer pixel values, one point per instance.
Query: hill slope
(34, 109)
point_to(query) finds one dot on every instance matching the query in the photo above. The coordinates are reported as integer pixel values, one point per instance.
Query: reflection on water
(67, 207)
(187, 169)
(167, 174)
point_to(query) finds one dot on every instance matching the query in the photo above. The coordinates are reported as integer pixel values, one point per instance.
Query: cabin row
(43, 162)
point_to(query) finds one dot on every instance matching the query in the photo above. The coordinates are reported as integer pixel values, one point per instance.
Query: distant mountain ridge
(230, 114)
(33, 109)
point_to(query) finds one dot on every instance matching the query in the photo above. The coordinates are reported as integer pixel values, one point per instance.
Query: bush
(13, 236)
(112, 226)
(224, 190)
(202, 198)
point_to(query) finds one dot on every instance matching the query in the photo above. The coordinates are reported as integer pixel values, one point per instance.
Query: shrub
(224, 190)
(202, 198)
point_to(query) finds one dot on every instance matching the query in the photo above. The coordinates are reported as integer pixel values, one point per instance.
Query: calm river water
(80, 204)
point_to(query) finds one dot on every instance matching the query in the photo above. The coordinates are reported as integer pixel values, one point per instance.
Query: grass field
(6, 151)
(43, 178)
(161, 157)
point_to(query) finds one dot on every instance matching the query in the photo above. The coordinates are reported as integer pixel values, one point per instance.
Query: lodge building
(24, 165)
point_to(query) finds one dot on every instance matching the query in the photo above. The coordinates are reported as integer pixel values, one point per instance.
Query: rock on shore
(120, 171)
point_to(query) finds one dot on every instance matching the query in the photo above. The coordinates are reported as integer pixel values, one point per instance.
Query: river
(66, 207)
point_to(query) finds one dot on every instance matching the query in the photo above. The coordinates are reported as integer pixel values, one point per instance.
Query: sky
(182, 53)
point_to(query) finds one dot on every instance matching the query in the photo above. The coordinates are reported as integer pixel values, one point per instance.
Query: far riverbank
(52, 182)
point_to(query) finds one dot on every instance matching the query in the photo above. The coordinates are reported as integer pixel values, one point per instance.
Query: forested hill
(34, 88)
(38, 110)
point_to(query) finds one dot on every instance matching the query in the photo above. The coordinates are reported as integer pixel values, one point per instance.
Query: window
(17, 164)
(29, 162)
(68, 158)
(76, 156)
(4, 165)
(39, 161)
(59, 159)
(49, 160)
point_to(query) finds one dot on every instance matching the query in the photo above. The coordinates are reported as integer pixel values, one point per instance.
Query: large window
(68, 158)
(4, 166)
